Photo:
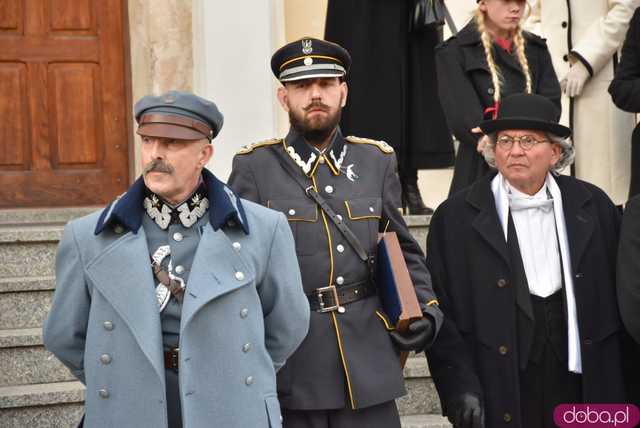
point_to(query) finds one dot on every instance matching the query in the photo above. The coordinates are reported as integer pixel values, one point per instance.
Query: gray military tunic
(347, 359)
(182, 243)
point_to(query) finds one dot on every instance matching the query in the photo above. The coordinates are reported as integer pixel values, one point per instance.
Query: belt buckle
(319, 292)
(175, 357)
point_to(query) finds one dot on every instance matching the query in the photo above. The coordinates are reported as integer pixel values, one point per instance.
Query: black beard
(315, 135)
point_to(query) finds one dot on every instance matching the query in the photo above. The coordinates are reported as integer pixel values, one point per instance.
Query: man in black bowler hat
(346, 373)
(523, 262)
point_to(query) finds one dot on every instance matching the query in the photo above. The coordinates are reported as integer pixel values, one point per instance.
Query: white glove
(573, 82)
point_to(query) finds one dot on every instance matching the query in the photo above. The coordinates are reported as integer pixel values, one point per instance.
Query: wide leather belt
(172, 358)
(332, 298)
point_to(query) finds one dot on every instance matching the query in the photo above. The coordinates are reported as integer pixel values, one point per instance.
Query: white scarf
(502, 206)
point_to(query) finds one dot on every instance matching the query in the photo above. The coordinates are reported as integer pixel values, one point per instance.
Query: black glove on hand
(416, 339)
(466, 411)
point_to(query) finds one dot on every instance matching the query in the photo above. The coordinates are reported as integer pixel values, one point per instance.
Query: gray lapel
(213, 272)
(122, 274)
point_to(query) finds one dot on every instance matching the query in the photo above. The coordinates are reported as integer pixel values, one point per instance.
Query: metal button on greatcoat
(179, 269)
(371, 209)
(249, 380)
(177, 236)
(103, 393)
(239, 276)
(236, 246)
(108, 325)
(339, 217)
(244, 313)
(292, 212)
(328, 189)
(502, 283)
(105, 358)
(118, 229)
(503, 350)
(340, 248)
(507, 417)
(339, 280)
(246, 347)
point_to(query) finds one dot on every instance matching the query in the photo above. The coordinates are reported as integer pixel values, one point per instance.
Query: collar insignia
(187, 213)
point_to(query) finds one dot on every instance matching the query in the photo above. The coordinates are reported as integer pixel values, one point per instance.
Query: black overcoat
(347, 359)
(469, 261)
(466, 90)
(625, 92)
(392, 81)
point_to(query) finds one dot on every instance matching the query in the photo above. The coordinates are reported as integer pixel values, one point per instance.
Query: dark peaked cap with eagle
(308, 58)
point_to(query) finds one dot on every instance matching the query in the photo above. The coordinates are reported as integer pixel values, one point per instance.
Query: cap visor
(491, 126)
(175, 132)
(312, 75)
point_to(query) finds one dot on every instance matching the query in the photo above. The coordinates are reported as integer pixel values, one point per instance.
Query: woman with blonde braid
(490, 58)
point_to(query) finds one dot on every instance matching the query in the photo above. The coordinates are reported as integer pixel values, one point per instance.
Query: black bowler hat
(308, 58)
(178, 115)
(527, 111)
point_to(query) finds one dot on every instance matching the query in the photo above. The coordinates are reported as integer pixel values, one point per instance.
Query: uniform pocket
(273, 411)
(303, 216)
(364, 208)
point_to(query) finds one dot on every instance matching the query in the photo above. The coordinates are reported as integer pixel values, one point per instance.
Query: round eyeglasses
(505, 142)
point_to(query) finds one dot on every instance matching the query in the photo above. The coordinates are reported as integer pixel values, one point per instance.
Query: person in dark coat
(489, 59)
(347, 372)
(625, 92)
(392, 86)
(523, 262)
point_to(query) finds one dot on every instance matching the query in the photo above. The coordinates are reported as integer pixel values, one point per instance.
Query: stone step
(23, 359)
(421, 397)
(424, 421)
(41, 216)
(58, 405)
(419, 228)
(25, 301)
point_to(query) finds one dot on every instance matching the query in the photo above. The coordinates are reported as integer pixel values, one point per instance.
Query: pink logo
(596, 415)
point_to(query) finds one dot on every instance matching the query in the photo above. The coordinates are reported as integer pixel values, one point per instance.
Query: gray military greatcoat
(347, 359)
(244, 288)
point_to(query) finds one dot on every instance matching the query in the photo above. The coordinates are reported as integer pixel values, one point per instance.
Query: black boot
(412, 203)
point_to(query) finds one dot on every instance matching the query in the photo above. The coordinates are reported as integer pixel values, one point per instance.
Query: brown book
(395, 288)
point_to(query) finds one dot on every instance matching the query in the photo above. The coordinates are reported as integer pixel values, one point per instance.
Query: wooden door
(64, 133)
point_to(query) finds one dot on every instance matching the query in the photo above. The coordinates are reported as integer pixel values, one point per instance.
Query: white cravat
(535, 225)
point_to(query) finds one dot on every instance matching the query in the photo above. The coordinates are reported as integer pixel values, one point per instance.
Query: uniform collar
(307, 157)
(186, 213)
(225, 208)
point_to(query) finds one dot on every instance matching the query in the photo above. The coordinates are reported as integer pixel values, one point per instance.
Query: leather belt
(332, 298)
(172, 358)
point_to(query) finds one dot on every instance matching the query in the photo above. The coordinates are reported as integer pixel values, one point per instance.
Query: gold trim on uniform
(384, 147)
(362, 217)
(251, 147)
(385, 320)
(433, 302)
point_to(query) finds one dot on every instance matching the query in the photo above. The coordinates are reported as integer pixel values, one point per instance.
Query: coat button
(248, 381)
(371, 209)
(502, 283)
(103, 393)
(579, 275)
(108, 325)
(239, 276)
(179, 269)
(564, 24)
(339, 280)
(507, 417)
(292, 212)
(118, 229)
(236, 246)
(503, 350)
(105, 358)
(588, 342)
(231, 223)
(321, 160)
(328, 189)
(490, 91)
(565, 58)
(340, 248)
(244, 313)
(339, 217)
(177, 236)
(246, 347)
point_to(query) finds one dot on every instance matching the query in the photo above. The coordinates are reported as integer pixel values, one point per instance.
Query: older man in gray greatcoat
(178, 302)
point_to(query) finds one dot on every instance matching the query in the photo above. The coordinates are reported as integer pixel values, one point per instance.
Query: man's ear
(283, 97)
(205, 154)
(344, 92)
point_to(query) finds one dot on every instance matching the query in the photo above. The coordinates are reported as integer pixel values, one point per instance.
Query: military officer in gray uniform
(177, 303)
(346, 373)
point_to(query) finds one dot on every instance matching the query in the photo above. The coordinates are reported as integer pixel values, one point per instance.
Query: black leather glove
(416, 338)
(466, 411)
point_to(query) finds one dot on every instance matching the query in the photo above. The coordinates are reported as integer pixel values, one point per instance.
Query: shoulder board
(384, 147)
(251, 147)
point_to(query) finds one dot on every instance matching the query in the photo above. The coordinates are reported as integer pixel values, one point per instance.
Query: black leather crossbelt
(333, 298)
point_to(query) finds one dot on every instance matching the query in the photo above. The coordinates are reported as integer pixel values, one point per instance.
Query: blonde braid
(519, 42)
(487, 43)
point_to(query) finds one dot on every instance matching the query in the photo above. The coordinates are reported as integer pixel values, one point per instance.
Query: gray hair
(566, 157)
